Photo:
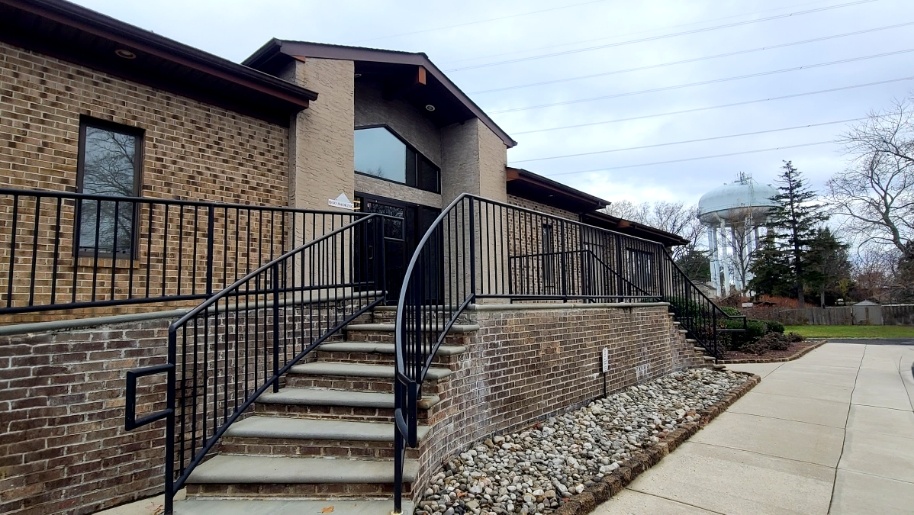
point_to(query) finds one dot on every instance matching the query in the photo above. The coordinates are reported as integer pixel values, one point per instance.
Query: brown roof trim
(588, 202)
(630, 227)
(272, 48)
(97, 24)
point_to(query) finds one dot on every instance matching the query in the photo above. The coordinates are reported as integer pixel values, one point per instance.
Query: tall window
(641, 269)
(109, 164)
(380, 153)
(548, 244)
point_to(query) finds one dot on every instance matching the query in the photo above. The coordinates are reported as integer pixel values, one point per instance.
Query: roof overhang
(531, 186)
(82, 36)
(411, 77)
(636, 229)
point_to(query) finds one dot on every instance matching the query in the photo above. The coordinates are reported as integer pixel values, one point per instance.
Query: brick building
(140, 177)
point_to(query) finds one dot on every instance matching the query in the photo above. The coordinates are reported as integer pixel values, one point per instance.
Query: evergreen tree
(794, 222)
(695, 264)
(770, 269)
(830, 268)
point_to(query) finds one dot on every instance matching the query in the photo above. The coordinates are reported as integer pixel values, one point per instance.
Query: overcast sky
(497, 52)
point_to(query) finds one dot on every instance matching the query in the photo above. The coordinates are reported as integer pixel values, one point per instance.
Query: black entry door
(401, 236)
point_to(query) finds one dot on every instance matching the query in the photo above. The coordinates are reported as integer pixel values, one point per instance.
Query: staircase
(325, 441)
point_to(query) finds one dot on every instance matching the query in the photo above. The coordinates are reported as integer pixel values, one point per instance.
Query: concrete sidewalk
(832, 432)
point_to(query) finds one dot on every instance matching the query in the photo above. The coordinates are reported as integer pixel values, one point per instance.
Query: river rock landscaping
(533, 470)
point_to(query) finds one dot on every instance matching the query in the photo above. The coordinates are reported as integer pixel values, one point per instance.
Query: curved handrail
(245, 337)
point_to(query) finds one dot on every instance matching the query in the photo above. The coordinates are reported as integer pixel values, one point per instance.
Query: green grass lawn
(852, 331)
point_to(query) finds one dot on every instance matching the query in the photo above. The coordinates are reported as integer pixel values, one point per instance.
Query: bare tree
(672, 217)
(876, 192)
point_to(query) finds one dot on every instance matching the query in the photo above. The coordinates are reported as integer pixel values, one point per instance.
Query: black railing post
(564, 261)
(170, 393)
(275, 278)
(472, 235)
(715, 332)
(210, 241)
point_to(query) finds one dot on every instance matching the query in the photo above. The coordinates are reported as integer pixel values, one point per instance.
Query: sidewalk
(832, 432)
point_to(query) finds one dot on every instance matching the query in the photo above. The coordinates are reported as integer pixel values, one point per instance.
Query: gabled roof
(396, 69)
(83, 36)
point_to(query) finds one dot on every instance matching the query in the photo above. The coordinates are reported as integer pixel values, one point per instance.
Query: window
(380, 153)
(641, 269)
(109, 164)
(548, 244)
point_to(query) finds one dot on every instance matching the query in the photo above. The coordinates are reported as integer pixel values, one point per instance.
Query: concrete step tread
(325, 397)
(383, 348)
(238, 469)
(287, 506)
(329, 368)
(387, 327)
(315, 429)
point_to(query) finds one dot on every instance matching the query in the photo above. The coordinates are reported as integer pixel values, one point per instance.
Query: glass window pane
(380, 154)
(428, 176)
(108, 169)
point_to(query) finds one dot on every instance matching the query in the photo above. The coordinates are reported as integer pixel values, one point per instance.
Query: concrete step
(271, 427)
(278, 436)
(355, 376)
(295, 477)
(379, 353)
(287, 507)
(459, 334)
(335, 404)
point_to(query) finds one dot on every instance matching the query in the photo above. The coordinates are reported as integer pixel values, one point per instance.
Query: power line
(658, 37)
(693, 60)
(712, 138)
(477, 22)
(708, 108)
(702, 83)
(627, 34)
(610, 168)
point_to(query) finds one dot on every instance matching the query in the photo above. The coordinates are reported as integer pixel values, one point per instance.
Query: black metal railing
(237, 344)
(704, 320)
(63, 250)
(483, 249)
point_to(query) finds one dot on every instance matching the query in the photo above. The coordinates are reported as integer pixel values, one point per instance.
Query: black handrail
(65, 250)
(479, 249)
(234, 346)
(704, 320)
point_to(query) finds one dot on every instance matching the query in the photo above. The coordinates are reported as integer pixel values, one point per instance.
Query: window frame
(138, 133)
(414, 169)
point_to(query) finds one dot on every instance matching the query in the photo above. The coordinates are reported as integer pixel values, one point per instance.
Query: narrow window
(548, 256)
(641, 270)
(109, 165)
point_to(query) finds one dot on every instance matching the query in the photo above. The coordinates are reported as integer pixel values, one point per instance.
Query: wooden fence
(889, 314)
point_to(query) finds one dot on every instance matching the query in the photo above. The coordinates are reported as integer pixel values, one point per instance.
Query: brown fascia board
(374, 55)
(591, 202)
(671, 238)
(136, 38)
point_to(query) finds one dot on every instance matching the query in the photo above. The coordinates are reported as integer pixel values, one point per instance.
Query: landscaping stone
(609, 441)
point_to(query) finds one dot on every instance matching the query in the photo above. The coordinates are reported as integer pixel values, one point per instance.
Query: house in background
(186, 300)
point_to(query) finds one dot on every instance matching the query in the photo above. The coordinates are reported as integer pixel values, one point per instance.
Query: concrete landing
(830, 433)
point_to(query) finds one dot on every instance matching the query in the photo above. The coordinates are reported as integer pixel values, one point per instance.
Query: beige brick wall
(191, 151)
(527, 364)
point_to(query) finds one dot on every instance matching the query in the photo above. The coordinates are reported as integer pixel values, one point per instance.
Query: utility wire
(711, 138)
(658, 37)
(628, 34)
(708, 108)
(693, 60)
(702, 83)
(756, 151)
(477, 22)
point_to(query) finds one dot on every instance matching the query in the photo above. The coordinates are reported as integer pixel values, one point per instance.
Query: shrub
(770, 341)
(774, 326)
(795, 337)
(739, 340)
(733, 312)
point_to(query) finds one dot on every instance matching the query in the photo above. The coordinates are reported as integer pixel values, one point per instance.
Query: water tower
(733, 215)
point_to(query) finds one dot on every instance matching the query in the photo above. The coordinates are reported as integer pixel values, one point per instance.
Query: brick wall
(63, 447)
(530, 362)
(191, 151)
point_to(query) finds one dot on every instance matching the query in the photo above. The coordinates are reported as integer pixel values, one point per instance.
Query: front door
(401, 236)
